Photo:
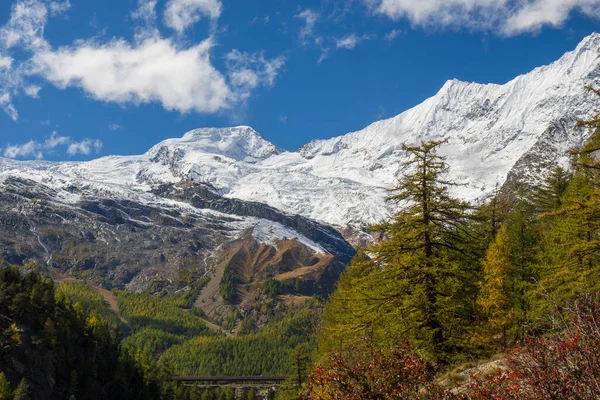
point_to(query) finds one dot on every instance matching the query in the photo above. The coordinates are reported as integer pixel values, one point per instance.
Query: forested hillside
(52, 348)
(517, 275)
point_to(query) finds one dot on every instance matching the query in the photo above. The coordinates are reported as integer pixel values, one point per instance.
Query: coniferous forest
(496, 300)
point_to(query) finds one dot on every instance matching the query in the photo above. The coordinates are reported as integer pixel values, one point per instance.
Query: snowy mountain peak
(592, 42)
(241, 143)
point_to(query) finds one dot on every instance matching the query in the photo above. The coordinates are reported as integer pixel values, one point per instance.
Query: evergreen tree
(22, 391)
(300, 361)
(244, 395)
(427, 251)
(252, 394)
(524, 239)
(490, 214)
(421, 281)
(584, 157)
(5, 392)
(349, 315)
(571, 257)
(496, 297)
(548, 196)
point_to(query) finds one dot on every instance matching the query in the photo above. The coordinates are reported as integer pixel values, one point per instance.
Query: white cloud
(36, 149)
(393, 34)
(25, 150)
(7, 106)
(507, 17)
(310, 18)
(182, 14)
(145, 12)
(350, 41)
(59, 7)
(155, 70)
(33, 91)
(85, 147)
(149, 69)
(308, 35)
(248, 71)
(26, 25)
(534, 15)
(5, 62)
(24, 30)
(114, 127)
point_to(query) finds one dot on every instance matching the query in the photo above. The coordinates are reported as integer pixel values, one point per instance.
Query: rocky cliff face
(150, 243)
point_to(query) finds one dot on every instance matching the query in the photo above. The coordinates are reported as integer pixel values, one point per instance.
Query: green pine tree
(300, 363)
(548, 196)
(22, 391)
(5, 392)
(252, 394)
(421, 282)
(496, 297)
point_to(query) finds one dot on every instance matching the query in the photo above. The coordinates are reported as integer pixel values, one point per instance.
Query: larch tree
(496, 297)
(428, 250)
(523, 232)
(571, 256)
(548, 196)
(5, 392)
(420, 281)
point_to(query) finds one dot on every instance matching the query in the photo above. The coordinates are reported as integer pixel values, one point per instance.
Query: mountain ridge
(496, 133)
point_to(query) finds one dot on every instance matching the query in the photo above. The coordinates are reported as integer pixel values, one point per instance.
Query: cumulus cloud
(25, 27)
(534, 15)
(25, 30)
(85, 147)
(155, 70)
(25, 150)
(507, 17)
(114, 127)
(54, 141)
(145, 12)
(148, 69)
(5, 62)
(37, 149)
(182, 14)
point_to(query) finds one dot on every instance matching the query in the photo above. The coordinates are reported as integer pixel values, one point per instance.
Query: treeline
(454, 281)
(52, 348)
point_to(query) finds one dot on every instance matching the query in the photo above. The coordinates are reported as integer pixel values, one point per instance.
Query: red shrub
(563, 366)
(398, 373)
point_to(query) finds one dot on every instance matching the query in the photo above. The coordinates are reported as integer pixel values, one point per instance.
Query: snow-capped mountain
(513, 131)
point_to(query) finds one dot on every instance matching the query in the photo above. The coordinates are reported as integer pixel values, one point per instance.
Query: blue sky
(80, 78)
